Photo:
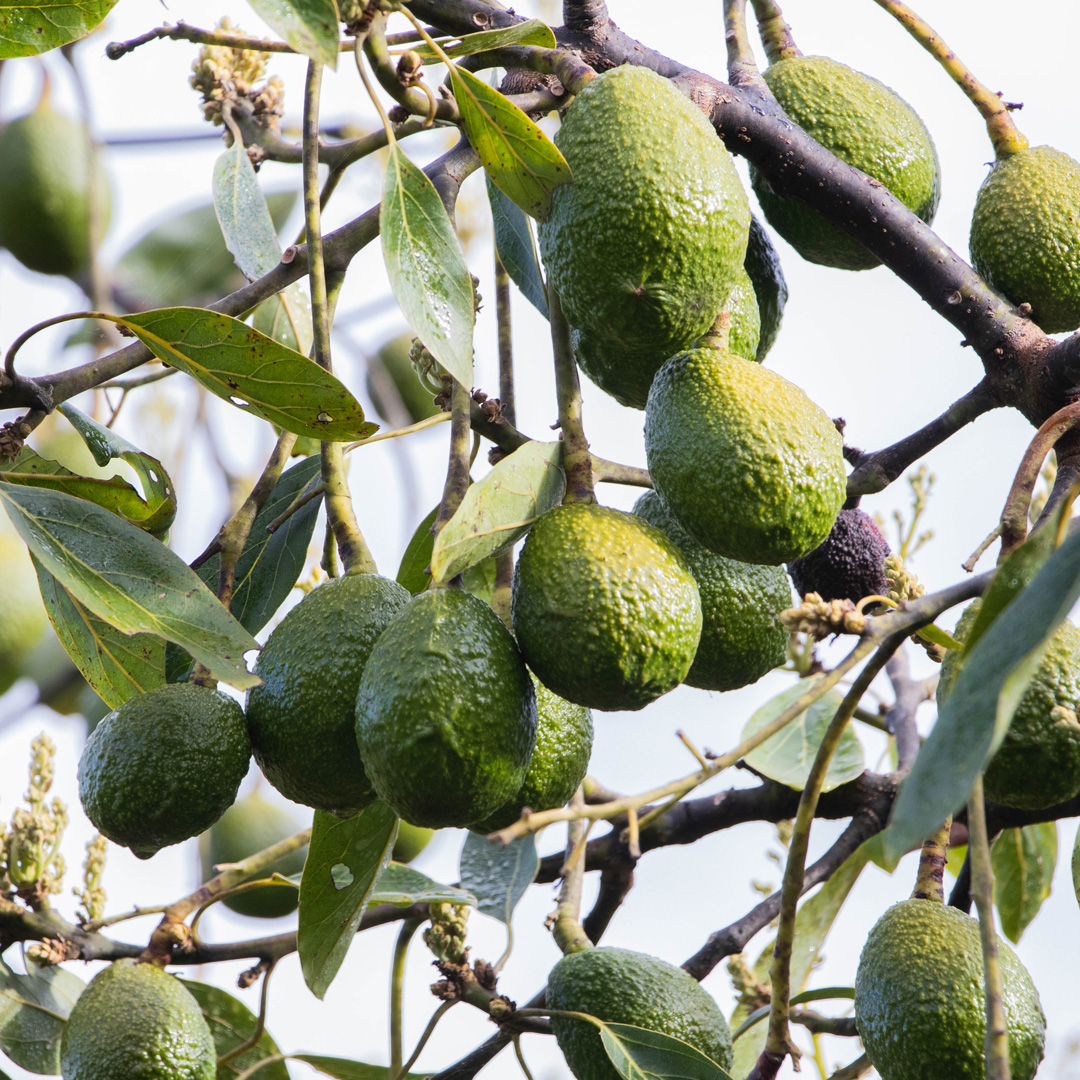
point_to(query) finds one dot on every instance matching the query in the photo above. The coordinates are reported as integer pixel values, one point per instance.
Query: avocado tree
(205, 436)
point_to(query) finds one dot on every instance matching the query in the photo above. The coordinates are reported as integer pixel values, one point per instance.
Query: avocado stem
(742, 67)
(397, 986)
(775, 33)
(576, 459)
(457, 469)
(1005, 136)
(566, 927)
(929, 881)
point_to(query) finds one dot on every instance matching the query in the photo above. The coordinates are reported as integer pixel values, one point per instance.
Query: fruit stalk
(576, 459)
(742, 67)
(929, 882)
(982, 891)
(1003, 132)
(457, 469)
(775, 33)
(397, 986)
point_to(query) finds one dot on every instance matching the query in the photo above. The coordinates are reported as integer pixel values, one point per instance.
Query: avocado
(848, 564)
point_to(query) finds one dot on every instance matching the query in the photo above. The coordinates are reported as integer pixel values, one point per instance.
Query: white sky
(862, 345)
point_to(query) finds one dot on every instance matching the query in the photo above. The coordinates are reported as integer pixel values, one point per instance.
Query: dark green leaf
(427, 271)
(516, 246)
(149, 591)
(232, 1023)
(498, 876)
(116, 665)
(788, 756)
(33, 1010)
(638, 1054)
(532, 32)
(499, 509)
(28, 29)
(344, 1069)
(521, 160)
(332, 904)
(1023, 861)
(308, 26)
(252, 372)
(402, 885)
(417, 558)
(480, 580)
(975, 716)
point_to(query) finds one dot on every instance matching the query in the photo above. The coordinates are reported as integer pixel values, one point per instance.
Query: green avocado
(445, 712)
(301, 719)
(1025, 234)
(411, 840)
(867, 125)
(919, 1001)
(248, 826)
(136, 1022)
(645, 245)
(606, 610)
(392, 385)
(22, 614)
(623, 987)
(45, 192)
(742, 459)
(1038, 762)
(762, 263)
(560, 759)
(741, 635)
(164, 766)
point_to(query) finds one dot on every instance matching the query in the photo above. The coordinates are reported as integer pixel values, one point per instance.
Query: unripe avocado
(136, 1022)
(645, 245)
(919, 1001)
(411, 840)
(1038, 762)
(741, 635)
(848, 565)
(742, 458)
(392, 384)
(623, 987)
(164, 766)
(762, 263)
(560, 759)
(1025, 234)
(867, 125)
(445, 712)
(301, 719)
(22, 614)
(248, 826)
(45, 192)
(605, 608)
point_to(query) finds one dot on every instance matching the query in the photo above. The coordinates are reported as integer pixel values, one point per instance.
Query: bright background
(861, 344)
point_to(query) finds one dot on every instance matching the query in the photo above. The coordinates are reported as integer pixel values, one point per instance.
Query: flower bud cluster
(223, 74)
(446, 935)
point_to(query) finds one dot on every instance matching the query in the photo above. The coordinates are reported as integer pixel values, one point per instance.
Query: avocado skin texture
(849, 564)
(397, 370)
(741, 635)
(1025, 239)
(45, 192)
(248, 826)
(742, 458)
(164, 766)
(643, 247)
(762, 263)
(445, 712)
(22, 614)
(606, 610)
(919, 997)
(136, 1022)
(301, 719)
(560, 759)
(864, 123)
(411, 840)
(619, 986)
(1038, 762)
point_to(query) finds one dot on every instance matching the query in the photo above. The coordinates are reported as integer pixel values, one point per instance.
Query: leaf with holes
(498, 876)
(308, 26)
(530, 32)
(1023, 862)
(252, 372)
(29, 29)
(427, 271)
(516, 245)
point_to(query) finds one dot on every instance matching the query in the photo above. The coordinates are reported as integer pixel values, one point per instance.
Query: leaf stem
(260, 1023)
(457, 469)
(439, 1013)
(576, 459)
(929, 882)
(742, 67)
(982, 891)
(775, 33)
(397, 986)
(566, 929)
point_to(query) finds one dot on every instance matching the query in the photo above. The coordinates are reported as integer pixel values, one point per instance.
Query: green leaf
(29, 29)
(151, 590)
(402, 885)
(788, 756)
(520, 159)
(1023, 861)
(516, 246)
(252, 372)
(976, 715)
(116, 665)
(33, 1010)
(344, 1069)
(330, 910)
(531, 32)
(417, 556)
(499, 509)
(427, 271)
(498, 876)
(232, 1024)
(639, 1054)
(936, 636)
(286, 317)
(308, 26)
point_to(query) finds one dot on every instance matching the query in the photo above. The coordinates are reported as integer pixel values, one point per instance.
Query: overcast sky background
(861, 344)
